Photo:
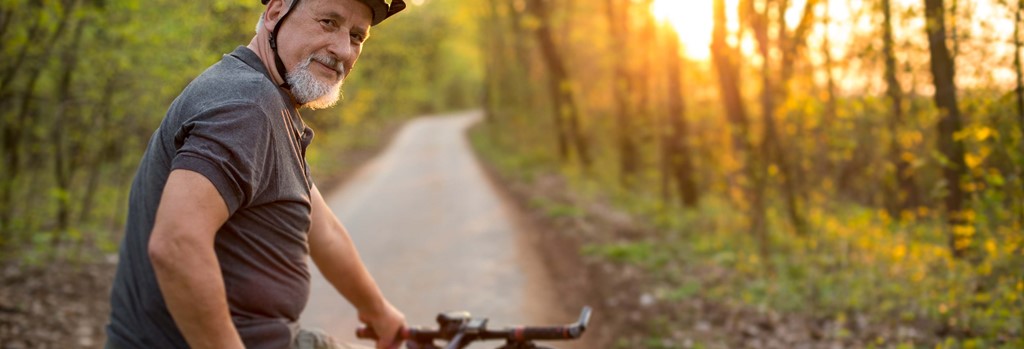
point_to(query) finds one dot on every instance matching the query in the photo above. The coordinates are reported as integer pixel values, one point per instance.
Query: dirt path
(437, 236)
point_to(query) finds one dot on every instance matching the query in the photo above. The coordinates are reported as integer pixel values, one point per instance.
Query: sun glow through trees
(692, 21)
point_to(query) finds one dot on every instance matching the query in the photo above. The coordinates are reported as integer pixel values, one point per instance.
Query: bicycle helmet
(381, 11)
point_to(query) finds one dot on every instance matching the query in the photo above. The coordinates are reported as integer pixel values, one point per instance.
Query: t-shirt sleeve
(229, 146)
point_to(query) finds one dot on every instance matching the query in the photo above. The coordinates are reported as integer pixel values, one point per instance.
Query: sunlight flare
(693, 22)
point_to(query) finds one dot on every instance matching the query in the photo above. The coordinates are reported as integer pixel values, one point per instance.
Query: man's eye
(328, 23)
(358, 38)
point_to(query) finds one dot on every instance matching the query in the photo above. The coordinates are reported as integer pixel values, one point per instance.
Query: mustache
(329, 61)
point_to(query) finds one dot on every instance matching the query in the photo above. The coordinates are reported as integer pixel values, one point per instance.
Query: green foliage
(686, 290)
(634, 253)
(85, 83)
(555, 209)
(857, 254)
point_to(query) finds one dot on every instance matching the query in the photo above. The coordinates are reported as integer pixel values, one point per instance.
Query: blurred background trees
(832, 155)
(84, 83)
(827, 152)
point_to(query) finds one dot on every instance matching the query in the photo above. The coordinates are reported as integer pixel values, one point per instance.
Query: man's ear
(275, 9)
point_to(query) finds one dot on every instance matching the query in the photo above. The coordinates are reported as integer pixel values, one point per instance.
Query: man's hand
(386, 321)
(187, 271)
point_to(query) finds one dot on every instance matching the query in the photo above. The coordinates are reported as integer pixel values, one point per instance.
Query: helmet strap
(281, 70)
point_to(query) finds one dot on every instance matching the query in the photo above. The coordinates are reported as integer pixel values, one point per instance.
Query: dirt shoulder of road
(56, 305)
(615, 292)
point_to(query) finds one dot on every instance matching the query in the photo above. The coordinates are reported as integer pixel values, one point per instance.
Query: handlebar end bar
(577, 329)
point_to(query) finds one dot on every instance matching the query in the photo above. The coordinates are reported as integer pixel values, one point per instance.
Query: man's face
(320, 43)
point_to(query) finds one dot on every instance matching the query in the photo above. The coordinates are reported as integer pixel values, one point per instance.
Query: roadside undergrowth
(697, 279)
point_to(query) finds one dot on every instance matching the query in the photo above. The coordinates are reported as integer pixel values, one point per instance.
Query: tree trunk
(566, 112)
(727, 69)
(725, 60)
(1017, 61)
(954, 30)
(617, 14)
(902, 193)
(494, 49)
(5, 22)
(774, 90)
(516, 53)
(793, 44)
(96, 168)
(950, 122)
(831, 105)
(642, 76)
(8, 75)
(1017, 43)
(676, 149)
(519, 41)
(13, 130)
(64, 168)
(12, 165)
(10, 129)
(47, 46)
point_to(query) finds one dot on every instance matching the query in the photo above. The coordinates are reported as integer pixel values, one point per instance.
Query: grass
(856, 260)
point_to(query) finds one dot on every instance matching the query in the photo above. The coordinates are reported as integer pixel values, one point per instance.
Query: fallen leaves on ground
(60, 305)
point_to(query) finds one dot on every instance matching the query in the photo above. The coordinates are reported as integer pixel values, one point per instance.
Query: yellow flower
(907, 156)
(982, 133)
(899, 252)
(963, 230)
(884, 216)
(973, 160)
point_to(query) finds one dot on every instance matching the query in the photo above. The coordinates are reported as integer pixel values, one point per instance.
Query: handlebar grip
(542, 333)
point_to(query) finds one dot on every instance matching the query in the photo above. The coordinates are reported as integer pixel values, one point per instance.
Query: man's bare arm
(181, 249)
(336, 257)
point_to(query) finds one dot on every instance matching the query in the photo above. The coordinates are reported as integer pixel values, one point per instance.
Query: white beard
(308, 90)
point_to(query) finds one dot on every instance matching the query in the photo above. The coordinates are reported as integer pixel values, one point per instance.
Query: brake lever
(456, 342)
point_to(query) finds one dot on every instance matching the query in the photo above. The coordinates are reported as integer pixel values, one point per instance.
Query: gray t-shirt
(234, 126)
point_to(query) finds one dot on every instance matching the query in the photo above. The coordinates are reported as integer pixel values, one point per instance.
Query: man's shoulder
(230, 79)
(241, 103)
(230, 91)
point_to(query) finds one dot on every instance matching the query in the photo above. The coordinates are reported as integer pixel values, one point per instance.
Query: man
(223, 213)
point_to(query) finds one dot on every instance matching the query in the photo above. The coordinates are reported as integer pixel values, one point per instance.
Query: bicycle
(460, 329)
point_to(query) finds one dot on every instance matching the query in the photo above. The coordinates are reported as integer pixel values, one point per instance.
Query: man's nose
(342, 51)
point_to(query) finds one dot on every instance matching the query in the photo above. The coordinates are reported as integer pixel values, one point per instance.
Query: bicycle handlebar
(459, 328)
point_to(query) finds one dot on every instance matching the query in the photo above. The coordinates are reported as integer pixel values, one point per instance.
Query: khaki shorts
(316, 339)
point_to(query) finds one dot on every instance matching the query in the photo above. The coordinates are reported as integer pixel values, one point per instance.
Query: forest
(838, 159)
(833, 158)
